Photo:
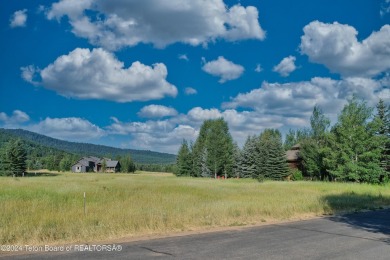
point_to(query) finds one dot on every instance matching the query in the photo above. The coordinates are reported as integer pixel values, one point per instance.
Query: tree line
(356, 148)
(85, 149)
(18, 156)
(214, 154)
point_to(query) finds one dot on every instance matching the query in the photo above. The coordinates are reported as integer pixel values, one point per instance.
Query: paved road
(354, 236)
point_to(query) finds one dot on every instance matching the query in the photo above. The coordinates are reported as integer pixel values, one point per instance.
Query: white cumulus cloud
(71, 128)
(336, 46)
(18, 19)
(156, 111)
(200, 114)
(124, 23)
(297, 99)
(224, 69)
(286, 66)
(97, 74)
(17, 117)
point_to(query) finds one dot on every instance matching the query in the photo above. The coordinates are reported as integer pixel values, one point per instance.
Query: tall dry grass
(49, 209)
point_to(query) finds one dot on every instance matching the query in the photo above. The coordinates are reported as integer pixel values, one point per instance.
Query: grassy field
(49, 208)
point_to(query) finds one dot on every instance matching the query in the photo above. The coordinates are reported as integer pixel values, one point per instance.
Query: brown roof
(293, 153)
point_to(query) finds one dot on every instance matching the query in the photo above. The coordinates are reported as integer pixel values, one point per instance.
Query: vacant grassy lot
(49, 209)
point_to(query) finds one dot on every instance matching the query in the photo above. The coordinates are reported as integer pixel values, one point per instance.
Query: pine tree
(4, 162)
(237, 157)
(249, 157)
(382, 119)
(184, 160)
(271, 162)
(198, 148)
(17, 157)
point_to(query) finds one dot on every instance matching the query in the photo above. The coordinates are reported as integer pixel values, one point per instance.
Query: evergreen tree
(382, 119)
(198, 148)
(271, 162)
(16, 156)
(249, 157)
(4, 162)
(237, 157)
(355, 149)
(184, 160)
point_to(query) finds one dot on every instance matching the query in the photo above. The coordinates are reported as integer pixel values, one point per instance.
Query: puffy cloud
(74, 9)
(17, 117)
(200, 114)
(166, 135)
(336, 46)
(97, 74)
(18, 19)
(286, 66)
(159, 135)
(71, 128)
(297, 99)
(124, 23)
(167, 142)
(224, 69)
(153, 111)
(190, 91)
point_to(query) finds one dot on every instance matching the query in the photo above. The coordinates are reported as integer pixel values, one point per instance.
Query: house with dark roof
(95, 164)
(294, 159)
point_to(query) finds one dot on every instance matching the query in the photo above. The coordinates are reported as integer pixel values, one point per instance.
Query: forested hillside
(84, 149)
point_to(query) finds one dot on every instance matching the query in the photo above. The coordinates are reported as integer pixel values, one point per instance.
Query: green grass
(49, 209)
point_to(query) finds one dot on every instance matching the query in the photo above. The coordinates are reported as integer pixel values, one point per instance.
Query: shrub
(297, 175)
(260, 178)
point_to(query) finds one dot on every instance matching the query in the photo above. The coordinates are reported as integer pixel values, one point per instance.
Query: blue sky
(145, 74)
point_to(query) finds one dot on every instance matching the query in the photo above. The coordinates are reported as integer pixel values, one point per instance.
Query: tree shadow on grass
(40, 174)
(371, 213)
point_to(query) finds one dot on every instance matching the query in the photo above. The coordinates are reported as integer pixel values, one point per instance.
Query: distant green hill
(85, 149)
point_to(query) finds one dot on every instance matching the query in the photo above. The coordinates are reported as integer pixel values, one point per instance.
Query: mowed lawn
(49, 209)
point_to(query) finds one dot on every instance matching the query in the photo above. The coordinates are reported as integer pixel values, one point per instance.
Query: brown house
(293, 158)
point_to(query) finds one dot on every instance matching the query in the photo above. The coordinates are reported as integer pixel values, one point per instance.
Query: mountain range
(86, 149)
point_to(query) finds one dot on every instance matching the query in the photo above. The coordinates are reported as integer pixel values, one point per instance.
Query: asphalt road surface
(353, 236)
